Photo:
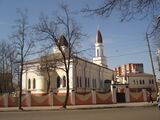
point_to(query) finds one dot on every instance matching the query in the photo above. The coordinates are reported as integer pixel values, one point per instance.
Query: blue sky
(123, 42)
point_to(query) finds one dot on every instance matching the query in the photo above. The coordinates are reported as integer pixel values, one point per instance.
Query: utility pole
(158, 58)
(150, 55)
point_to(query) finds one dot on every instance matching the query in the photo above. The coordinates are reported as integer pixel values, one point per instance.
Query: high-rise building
(129, 68)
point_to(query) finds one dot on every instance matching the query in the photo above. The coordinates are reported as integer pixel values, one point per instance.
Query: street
(139, 113)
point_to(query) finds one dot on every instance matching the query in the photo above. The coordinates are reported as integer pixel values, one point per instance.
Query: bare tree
(155, 31)
(50, 29)
(132, 9)
(47, 67)
(48, 64)
(23, 44)
(129, 9)
(7, 57)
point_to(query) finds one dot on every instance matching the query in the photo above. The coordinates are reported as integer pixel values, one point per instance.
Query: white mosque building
(84, 75)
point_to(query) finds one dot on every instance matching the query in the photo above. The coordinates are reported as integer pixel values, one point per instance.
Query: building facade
(84, 75)
(129, 68)
(133, 75)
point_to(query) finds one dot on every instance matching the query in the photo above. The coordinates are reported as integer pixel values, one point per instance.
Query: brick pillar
(113, 91)
(29, 97)
(73, 95)
(127, 97)
(144, 95)
(94, 97)
(5, 98)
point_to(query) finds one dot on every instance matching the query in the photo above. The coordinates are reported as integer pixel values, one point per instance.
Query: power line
(127, 54)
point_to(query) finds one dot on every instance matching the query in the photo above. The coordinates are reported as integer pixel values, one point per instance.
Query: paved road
(136, 113)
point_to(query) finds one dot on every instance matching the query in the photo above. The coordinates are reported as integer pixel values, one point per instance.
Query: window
(149, 81)
(34, 83)
(137, 82)
(140, 81)
(29, 83)
(58, 82)
(143, 82)
(152, 81)
(97, 52)
(64, 81)
(77, 82)
(80, 83)
(88, 83)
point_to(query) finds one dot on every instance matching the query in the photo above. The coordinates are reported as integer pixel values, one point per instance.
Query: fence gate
(120, 97)
(120, 94)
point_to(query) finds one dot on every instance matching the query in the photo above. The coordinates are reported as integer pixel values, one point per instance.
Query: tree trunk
(48, 83)
(20, 85)
(67, 93)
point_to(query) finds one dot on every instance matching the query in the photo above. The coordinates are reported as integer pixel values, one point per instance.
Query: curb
(77, 107)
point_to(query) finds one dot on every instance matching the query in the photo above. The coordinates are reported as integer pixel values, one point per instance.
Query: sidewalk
(80, 107)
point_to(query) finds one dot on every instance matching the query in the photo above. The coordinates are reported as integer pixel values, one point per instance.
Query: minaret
(99, 58)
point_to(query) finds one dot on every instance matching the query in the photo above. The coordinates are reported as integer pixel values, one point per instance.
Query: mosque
(84, 75)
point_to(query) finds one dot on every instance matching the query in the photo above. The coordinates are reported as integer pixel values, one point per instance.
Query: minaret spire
(99, 58)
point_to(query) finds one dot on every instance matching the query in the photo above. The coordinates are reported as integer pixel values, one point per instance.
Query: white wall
(40, 82)
(92, 71)
(83, 69)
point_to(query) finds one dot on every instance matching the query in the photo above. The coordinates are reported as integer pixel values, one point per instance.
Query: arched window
(97, 52)
(29, 83)
(152, 81)
(34, 83)
(77, 81)
(140, 82)
(80, 83)
(88, 83)
(143, 81)
(149, 81)
(64, 81)
(58, 81)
